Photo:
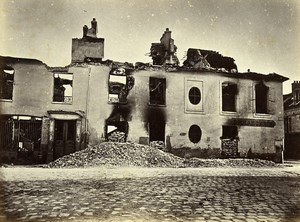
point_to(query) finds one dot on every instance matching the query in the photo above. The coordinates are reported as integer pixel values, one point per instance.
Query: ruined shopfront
(37, 108)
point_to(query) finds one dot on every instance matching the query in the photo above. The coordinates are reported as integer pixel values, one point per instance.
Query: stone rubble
(115, 154)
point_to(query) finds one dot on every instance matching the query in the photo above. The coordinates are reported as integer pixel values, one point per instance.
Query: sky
(261, 35)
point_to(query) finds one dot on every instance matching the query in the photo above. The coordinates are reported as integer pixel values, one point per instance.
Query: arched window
(195, 95)
(195, 134)
(261, 98)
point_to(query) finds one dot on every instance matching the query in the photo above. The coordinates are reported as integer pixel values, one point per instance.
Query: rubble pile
(117, 136)
(114, 154)
(158, 144)
(118, 154)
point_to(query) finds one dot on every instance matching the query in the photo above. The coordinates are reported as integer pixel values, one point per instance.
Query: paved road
(139, 194)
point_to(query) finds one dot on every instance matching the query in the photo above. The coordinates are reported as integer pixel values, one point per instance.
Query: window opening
(229, 132)
(229, 91)
(195, 95)
(195, 134)
(63, 88)
(6, 82)
(157, 89)
(261, 98)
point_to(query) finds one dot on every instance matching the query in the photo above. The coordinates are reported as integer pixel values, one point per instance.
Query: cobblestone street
(140, 194)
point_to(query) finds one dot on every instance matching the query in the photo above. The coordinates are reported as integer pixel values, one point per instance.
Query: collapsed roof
(200, 58)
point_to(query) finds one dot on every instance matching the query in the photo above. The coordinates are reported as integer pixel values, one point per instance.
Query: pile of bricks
(158, 144)
(117, 136)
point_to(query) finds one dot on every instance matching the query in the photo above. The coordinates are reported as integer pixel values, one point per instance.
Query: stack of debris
(118, 154)
(117, 136)
(158, 145)
(112, 154)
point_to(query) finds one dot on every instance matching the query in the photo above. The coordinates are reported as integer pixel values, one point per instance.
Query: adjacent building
(292, 122)
(205, 108)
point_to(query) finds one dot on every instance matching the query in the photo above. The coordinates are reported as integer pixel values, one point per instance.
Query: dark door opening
(157, 129)
(64, 137)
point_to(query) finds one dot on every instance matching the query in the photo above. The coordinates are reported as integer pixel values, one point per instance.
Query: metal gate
(20, 139)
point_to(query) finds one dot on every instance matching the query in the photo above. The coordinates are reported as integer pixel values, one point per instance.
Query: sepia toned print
(149, 111)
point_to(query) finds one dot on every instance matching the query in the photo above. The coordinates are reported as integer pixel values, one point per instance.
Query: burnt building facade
(205, 108)
(292, 122)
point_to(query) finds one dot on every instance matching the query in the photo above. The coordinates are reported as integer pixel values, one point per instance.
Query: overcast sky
(262, 35)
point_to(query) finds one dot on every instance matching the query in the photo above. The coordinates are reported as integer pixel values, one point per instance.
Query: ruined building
(292, 122)
(205, 108)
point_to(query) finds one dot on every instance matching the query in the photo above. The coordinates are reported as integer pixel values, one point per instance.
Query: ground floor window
(195, 133)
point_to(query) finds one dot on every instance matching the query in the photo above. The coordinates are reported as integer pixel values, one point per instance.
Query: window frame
(155, 101)
(5, 83)
(194, 96)
(232, 97)
(188, 106)
(53, 92)
(266, 99)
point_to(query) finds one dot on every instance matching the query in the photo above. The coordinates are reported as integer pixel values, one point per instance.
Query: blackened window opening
(157, 90)
(261, 98)
(195, 95)
(6, 82)
(229, 91)
(229, 132)
(195, 134)
(63, 88)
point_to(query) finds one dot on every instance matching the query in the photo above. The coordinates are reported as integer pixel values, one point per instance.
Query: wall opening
(63, 88)
(157, 91)
(64, 137)
(20, 138)
(156, 122)
(195, 95)
(119, 84)
(261, 98)
(195, 134)
(229, 140)
(116, 127)
(229, 132)
(6, 82)
(229, 92)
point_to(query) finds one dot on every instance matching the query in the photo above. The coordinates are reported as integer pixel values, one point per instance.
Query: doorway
(64, 137)
(157, 128)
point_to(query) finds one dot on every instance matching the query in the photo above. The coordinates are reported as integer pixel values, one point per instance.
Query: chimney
(295, 85)
(94, 26)
(166, 38)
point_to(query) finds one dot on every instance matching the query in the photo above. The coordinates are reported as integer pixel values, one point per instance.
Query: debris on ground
(157, 144)
(112, 154)
(117, 136)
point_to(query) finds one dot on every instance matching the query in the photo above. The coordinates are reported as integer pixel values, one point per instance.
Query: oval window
(195, 95)
(195, 134)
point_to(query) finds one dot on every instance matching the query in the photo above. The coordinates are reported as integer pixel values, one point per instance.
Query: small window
(229, 132)
(195, 95)
(195, 134)
(229, 91)
(63, 88)
(157, 91)
(261, 98)
(6, 82)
